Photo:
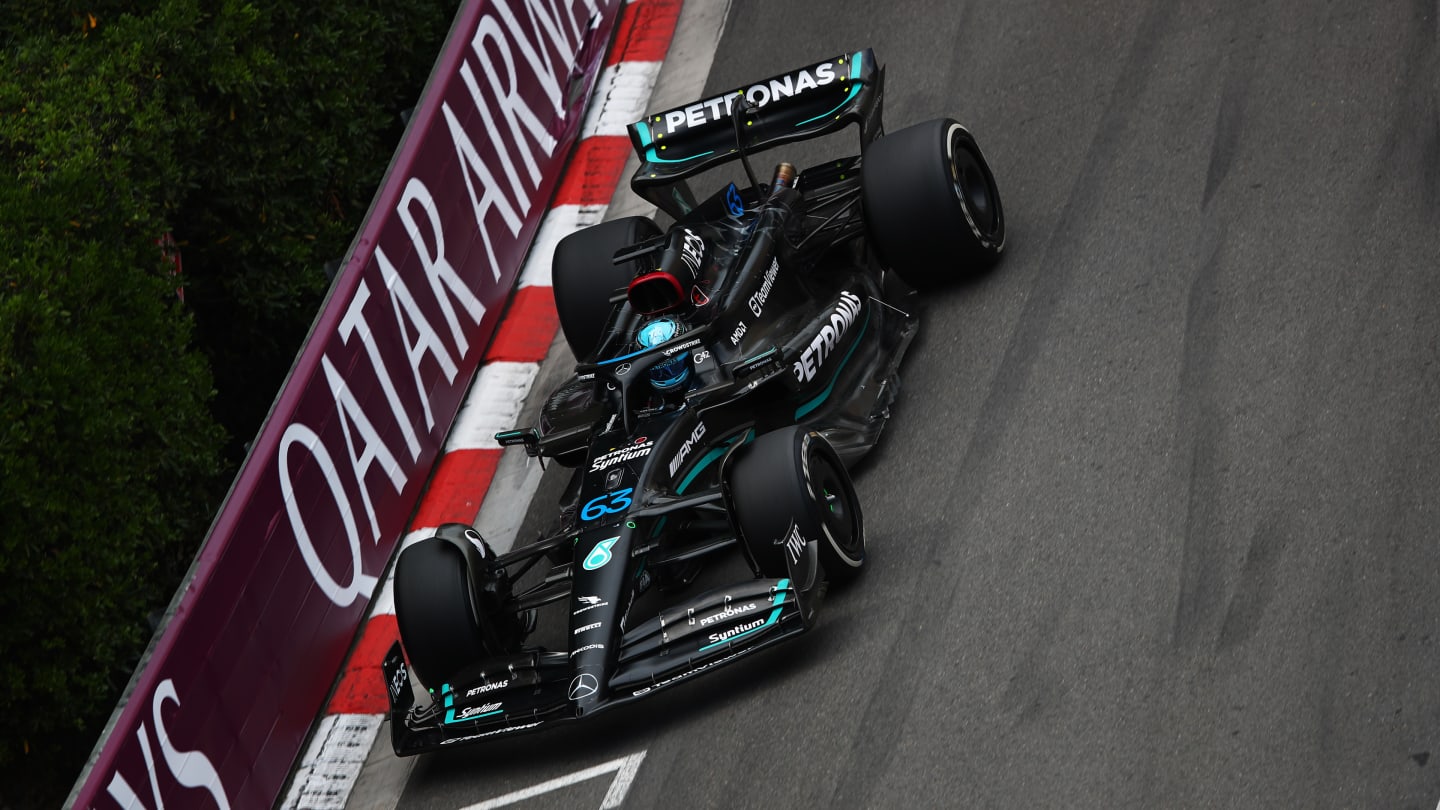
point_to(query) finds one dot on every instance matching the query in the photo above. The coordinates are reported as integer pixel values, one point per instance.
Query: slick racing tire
(932, 204)
(443, 626)
(792, 484)
(584, 277)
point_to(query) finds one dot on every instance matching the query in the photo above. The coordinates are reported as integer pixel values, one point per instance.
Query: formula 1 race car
(731, 369)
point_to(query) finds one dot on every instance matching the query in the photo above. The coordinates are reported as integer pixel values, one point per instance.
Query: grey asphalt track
(1154, 522)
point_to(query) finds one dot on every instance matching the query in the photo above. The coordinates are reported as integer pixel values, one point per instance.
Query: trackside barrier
(216, 714)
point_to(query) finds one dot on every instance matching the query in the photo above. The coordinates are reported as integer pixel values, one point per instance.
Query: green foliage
(257, 136)
(299, 125)
(109, 457)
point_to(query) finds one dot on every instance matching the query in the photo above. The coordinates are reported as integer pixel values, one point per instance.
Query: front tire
(790, 485)
(932, 204)
(446, 611)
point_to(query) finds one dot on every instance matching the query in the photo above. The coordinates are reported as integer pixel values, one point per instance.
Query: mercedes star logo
(583, 686)
(622, 369)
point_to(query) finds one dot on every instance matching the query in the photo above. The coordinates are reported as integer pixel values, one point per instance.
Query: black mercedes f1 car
(732, 368)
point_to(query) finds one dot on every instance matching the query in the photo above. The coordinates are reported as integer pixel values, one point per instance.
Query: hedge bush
(256, 136)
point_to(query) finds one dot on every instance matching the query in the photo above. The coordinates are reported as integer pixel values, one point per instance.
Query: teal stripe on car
(824, 395)
(709, 458)
(854, 91)
(774, 617)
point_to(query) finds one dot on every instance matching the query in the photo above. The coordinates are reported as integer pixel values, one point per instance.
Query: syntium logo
(726, 635)
(614, 457)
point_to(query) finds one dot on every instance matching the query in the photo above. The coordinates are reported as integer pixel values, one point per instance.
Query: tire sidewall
(956, 137)
(776, 495)
(840, 563)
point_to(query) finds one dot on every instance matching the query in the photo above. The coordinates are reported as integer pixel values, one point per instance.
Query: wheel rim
(972, 184)
(833, 498)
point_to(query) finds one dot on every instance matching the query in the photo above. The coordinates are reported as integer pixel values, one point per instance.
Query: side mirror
(529, 438)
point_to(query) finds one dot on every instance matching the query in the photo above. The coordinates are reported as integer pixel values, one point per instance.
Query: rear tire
(932, 204)
(791, 483)
(584, 277)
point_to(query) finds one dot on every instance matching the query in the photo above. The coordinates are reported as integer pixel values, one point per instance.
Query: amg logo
(473, 711)
(726, 635)
(829, 334)
(685, 448)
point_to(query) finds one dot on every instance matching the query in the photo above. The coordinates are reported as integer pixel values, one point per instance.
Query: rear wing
(815, 100)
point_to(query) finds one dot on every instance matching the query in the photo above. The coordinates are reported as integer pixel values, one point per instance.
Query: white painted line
(332, 762)
(560, 222)
(492, 405)
(624, 768)
(621, 785)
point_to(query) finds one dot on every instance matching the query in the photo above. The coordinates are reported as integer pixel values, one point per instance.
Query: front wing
(534, 688)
